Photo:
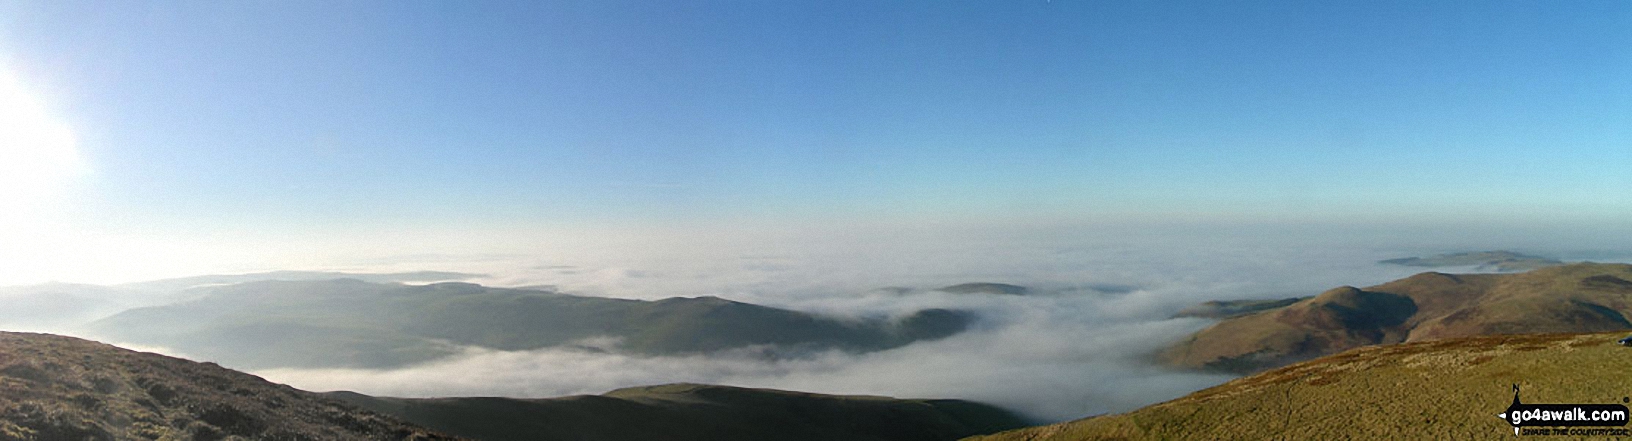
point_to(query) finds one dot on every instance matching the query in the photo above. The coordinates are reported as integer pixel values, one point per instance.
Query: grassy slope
(352, 323)
(1444, 389)
(63, 388)
(1572, 298)
(698, 412)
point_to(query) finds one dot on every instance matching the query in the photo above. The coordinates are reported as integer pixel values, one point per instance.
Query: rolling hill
(59, 305)
(62, 388)
(63, 307)
(697, 412)
(1442, 389)
(352, 323)
(1584, 297)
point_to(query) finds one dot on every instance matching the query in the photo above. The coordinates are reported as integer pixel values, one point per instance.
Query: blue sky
(299, 117)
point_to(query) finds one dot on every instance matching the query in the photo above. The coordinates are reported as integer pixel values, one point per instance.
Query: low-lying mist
(1100, 302)
(1077, 344)
(1051, 357)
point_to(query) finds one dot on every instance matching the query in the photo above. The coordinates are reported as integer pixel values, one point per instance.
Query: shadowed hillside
(1443, 389)
(62, 388)
(697, 412)
(351, 323)
(1582, 297)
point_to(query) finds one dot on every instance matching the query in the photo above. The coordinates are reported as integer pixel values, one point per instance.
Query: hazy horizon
(162, 139)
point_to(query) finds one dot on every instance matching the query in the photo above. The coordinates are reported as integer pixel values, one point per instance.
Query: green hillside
(697, 412)
(1443, 389)
(55, 388)
(1582, 297)
(351, 323)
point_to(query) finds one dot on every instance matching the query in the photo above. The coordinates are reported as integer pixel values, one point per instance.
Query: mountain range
(353, 323)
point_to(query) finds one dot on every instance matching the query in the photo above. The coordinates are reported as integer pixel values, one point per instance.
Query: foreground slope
(1583, 297)
(697, 412)
(62, 388)
(1443, 389)
(352, 323)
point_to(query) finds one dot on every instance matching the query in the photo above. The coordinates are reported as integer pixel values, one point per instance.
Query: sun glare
(37, 151)
(38, 159)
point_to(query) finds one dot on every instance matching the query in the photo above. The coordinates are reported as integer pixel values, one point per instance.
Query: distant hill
(62, 307)
(1583, 297)
(697, 412)
(227, 279)
(55, 306)
(60, 388)
(1500, 261)
(985, 288)
(1232, 308)
(352, 323)
(1442, 389)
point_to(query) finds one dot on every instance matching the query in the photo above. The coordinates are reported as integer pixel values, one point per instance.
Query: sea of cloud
(1079, 344)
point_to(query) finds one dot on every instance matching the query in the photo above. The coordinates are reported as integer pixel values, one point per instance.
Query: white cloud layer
(1075, 347)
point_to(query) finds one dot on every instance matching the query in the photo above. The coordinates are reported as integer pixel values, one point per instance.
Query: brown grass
(1444, 389)
(61, 388)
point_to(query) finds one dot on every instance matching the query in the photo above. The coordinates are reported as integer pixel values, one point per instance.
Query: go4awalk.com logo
(1565, 419)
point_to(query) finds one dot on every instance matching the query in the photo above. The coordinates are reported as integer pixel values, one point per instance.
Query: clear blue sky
(310, 115)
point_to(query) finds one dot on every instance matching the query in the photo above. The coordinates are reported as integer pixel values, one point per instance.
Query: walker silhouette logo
(1565, 419)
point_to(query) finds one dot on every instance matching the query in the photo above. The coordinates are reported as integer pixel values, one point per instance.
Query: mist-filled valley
(1052, 329)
